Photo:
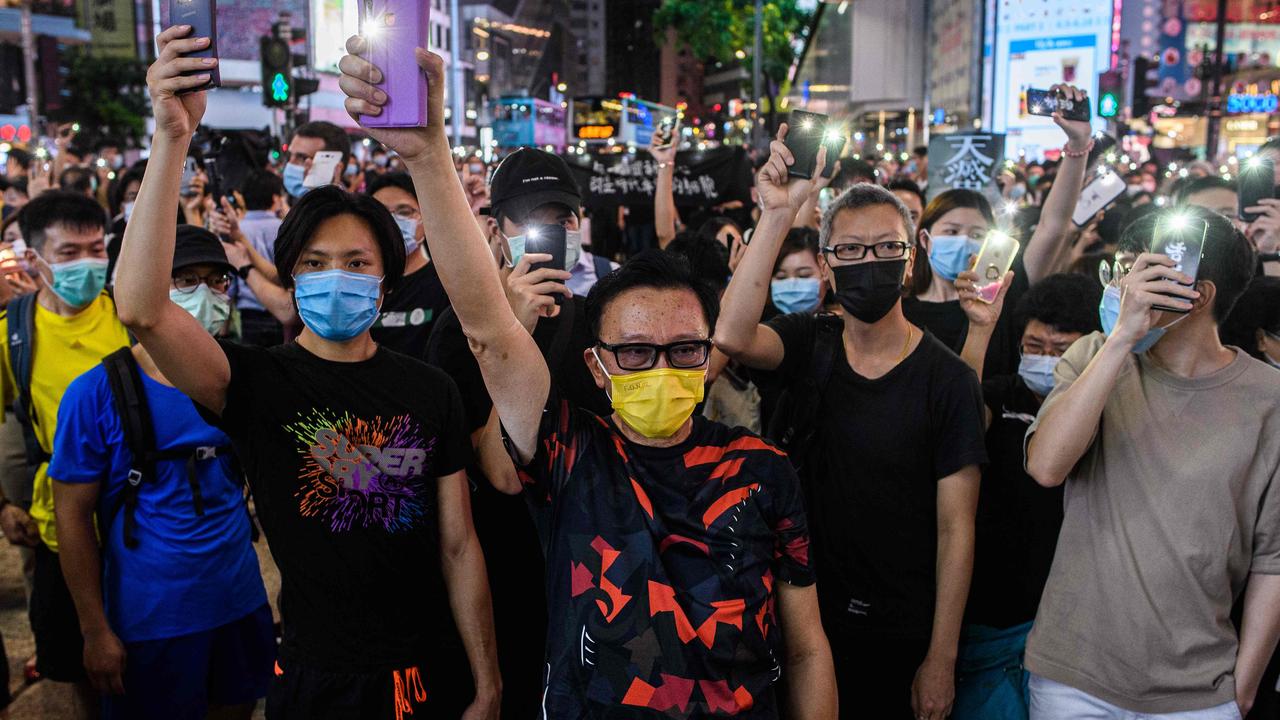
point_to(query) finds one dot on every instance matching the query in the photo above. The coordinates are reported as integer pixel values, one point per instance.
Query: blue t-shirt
(188, 573)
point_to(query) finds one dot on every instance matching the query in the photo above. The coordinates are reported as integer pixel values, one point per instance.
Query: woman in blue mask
(1254, 322)
(354, 453)
(797, 278)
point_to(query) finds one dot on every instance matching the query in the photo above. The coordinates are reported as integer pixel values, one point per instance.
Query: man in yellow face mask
(678, 575)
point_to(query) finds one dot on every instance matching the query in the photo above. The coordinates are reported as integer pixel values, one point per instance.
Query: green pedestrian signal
(1108, 105)
(280, 88)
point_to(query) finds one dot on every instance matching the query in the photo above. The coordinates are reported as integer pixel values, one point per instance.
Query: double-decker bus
(529, 122)
(625, 120)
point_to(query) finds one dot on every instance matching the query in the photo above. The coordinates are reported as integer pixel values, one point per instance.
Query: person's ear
(1260, 340)
(1208, 293)
(593, 364)
(911, 265)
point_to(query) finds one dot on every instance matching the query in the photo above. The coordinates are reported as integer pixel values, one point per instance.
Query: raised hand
(1078, 131)
(1151, 281)
(178, 116)
(532, 294)
(974, 299)
(358, 81)
(777, 189)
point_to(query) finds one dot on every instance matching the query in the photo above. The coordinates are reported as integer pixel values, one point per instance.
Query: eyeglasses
(891, 250)
(1109, 273)
(406, 213)
(683, 354)
(188, 282)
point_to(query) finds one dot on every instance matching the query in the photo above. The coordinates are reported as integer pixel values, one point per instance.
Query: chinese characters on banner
(703, 177)
(113, 27)
(965, 160)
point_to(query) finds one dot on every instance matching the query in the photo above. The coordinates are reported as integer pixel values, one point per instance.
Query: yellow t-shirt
(65, 348)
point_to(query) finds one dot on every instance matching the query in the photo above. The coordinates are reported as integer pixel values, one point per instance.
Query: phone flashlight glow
(832, 134)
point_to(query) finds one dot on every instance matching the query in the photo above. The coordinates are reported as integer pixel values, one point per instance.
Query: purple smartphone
(202, 16)
(393, 29)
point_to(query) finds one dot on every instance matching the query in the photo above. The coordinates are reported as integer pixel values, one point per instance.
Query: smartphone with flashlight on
(1181, 239)
(667, 133)
(1257, 181)
(393, 30)
(1046, 103)
(550, 240)
(994, 260)
(805, 133)
(834, 141)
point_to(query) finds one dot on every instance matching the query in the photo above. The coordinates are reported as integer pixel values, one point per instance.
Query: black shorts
(301, 692)
(59, 644)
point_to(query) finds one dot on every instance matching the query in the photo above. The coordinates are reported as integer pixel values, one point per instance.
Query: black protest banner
(702, 178)
(965, 160)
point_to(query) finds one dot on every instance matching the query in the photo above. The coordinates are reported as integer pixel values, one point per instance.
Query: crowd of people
(786, 459)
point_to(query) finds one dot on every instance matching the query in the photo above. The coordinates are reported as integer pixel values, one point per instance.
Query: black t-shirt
(343, 461)
(562, 344)
(871, 478)
(409, 313)
(662, 568)
(1018, 520)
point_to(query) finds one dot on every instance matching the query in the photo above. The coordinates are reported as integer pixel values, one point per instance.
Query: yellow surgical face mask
(655, 403)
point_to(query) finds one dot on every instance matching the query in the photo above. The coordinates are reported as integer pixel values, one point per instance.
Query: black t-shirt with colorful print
(343, 461)
(661, 568)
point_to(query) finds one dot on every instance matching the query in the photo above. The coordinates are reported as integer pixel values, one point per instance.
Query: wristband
(243, 271)
(1068, 152)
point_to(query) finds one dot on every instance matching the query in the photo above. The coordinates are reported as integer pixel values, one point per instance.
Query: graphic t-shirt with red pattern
(662, 565)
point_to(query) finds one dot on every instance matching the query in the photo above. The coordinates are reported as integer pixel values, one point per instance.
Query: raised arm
(664, 196)
(1068, 424)
(1052, 241)
(739, 332)
(514, 370)
(183, 350)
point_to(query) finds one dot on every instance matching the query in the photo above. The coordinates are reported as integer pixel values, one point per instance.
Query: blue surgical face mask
(126, 209)
(1037, 372)
(1109, 313)
(211, 308)
(408, 231)
(1270, 360)
(949, 254)
(337, 305)
(78, 282)
(572, 250)
(795, 295)
(293, 177)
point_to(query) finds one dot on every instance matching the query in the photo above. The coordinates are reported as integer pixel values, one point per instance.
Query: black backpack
(22, 314)
(795, 419)
(130, 400)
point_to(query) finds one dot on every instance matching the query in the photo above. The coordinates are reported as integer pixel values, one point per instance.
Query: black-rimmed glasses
(682, 354)
(890, 250)
(188, 282)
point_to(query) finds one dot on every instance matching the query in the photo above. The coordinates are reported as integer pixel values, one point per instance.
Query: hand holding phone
(994, 260)
(1096, 197)
(834, 141)
(202, 16)
(1181, 239)
(667, 133)
(392, 30)
(323, 166)
(805, 134)
(1045, 103)
(1257, 181)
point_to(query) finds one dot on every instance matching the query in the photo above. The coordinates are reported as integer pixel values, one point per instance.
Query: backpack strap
(22, 314)
(796, 420)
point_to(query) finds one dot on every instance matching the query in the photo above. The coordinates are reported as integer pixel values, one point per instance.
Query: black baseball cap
(194, 246)
(528, 179)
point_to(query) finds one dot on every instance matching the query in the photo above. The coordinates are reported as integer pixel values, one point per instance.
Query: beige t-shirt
(1172, 507)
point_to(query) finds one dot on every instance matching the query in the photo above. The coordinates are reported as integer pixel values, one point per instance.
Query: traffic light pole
(284, 31)
(1214, 109)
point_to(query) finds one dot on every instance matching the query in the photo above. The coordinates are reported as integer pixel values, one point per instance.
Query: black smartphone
(1103, 144)
(1257, 181)
(202, 16)
(834, 142)
(1181, 239)
(548, 240)
(805, 132)
(1046, 103)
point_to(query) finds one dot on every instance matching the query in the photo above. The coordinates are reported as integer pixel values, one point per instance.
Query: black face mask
(868, 291)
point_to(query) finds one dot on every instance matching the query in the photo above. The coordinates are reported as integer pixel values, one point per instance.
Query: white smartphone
(1096, 196)
(994, 260)
(323, 166)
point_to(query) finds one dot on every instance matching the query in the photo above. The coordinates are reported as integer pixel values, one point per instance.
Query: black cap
(528, 179)
(195, 245)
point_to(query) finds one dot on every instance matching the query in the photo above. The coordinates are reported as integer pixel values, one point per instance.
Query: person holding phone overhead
(677, 550)
(1168, 444)
(354, 453)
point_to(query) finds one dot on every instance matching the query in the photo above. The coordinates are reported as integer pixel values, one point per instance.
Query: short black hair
(852, 172)
(76, 179)
(391, 179)
(1191, 186)
(920, 151)
(906, 185)
(712, 226)
(707, 258)
(121, 183)
(260, 189)
(58, 207)
(21, 157)
(1257, 309)
(335, 138)
(1065, 302)
(652, 268)
(798, 239)
(1228, 260)
(17, 183)
(329, 201)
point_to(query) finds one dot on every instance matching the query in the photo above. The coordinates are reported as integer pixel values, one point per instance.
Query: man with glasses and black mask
(172, 607)
(1168, 443)
(677, 554)
(404, 323)
(890, 442)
